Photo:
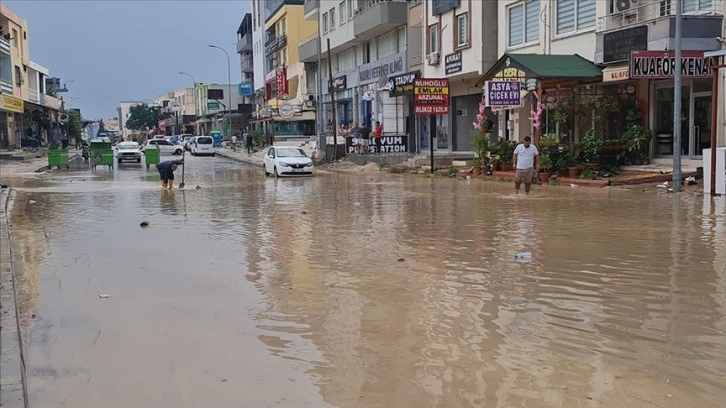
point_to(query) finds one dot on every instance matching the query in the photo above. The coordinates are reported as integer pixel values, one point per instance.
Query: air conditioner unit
(626, 7)
(433, 58)
(310, 97)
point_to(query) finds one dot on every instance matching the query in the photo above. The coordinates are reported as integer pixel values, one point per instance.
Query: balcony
(649, 11)
(376, 17)
(33, 95)
(4, 45)
(309, 49)
(6, 86)
(245, 43)
(275, 44)
(247, 65)
(310, 8)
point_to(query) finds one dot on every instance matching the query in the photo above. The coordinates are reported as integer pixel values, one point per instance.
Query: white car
(203, 145)
(165, 147)
(187, 142)
(127, 151)
(287, 161)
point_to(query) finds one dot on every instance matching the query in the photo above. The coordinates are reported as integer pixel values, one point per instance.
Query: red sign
(431, 96)
(662, 65)
(281, 80)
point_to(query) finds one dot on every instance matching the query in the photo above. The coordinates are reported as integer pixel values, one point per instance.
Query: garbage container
(57, 158)
(101, 154)
(151, 155)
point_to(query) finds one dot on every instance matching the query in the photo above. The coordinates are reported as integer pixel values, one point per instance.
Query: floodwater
(366, 290)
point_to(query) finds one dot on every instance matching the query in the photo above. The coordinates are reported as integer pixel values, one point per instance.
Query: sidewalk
(241, 156)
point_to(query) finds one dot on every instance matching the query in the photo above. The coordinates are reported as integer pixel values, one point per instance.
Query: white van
(203, 145)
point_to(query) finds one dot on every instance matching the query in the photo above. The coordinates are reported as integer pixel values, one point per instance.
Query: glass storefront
(695, 118)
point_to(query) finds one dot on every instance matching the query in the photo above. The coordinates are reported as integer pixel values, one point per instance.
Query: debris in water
(104, 295)
(3, 186)
(33, 315)
(303, 212)
(523, 257)
(356, 204)
(144, 224)
(199, 187)
(401, 260)
(468, 177)
(32, 201)
(224, 380)
(663, 185)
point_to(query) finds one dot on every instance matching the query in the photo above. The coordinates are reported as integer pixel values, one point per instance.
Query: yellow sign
(12, 104)
(510, 74)
(437, 90)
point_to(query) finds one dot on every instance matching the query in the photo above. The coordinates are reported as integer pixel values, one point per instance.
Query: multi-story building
(180, 104)
(259, 16)
(14, 59)
(211, 102)
(246, 58)
(124, 111)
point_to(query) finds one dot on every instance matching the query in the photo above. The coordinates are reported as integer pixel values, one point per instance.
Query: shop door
(700, 133)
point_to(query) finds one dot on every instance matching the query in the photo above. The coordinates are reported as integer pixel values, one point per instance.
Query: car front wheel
(276, 173)
(264, 170)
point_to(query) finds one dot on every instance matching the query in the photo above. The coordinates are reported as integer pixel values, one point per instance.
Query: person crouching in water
(166, 172)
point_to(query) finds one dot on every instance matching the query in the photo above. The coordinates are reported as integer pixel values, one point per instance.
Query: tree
(50, 92)
(74, 127)
(145, 117)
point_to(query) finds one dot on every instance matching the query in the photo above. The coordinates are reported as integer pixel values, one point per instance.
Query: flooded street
(365, 290)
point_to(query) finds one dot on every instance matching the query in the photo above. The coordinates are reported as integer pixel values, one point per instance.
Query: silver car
(127, 151)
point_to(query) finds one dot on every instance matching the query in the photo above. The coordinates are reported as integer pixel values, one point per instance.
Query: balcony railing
(372, 3)
(33, 95)
(6, 86)
(655, 10)
(307, 39)
(4, 45)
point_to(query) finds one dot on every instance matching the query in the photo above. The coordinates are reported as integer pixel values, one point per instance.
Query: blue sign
(246, 89)
(503, 93)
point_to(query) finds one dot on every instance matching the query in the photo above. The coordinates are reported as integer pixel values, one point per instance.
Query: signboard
(212, 105)
(384, 67)
(400, 85)
(340, 83)
(662, 65)
(503, 93)
(389, 144)
(12, 104)
(286, 110)
(431, 96)
(281, 80)
(618, 45)
(452, 63)
(216, 94)
(616, 73)
(442, 6)
(246, 89)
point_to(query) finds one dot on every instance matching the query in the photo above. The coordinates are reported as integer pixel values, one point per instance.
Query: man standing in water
(526, 163)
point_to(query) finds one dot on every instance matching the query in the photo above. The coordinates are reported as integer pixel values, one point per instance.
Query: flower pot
(496, 166)
(544, 177)
(573, 172)
(476, 170)
(592, 166)
(508, 166)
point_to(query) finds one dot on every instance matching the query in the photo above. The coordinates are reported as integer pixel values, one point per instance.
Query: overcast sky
(131, 50)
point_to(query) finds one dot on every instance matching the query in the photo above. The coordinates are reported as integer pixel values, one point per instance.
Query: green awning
(537, 67)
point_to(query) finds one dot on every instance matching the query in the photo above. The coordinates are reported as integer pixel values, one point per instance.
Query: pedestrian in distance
(377, 135)
(233, 141)
(248, 142)
(526, 164)
(365, 138)
(166, 172)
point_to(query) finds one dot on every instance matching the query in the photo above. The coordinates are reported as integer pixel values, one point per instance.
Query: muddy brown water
(366, 290)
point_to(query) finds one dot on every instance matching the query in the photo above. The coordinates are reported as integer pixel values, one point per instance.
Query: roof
(542, 66)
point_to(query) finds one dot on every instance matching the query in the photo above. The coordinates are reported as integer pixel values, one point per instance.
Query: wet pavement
(365, 290)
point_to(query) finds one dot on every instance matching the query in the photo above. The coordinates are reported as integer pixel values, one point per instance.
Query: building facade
(211, 101)
(259, 16)
(181, 120)
(124, 111)
(14, 86)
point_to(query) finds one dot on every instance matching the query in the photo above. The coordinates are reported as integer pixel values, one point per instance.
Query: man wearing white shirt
(526, 163)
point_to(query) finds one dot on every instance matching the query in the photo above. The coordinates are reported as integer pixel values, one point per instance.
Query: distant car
(187, 143)
(127, 151)
(165, 147)
(287, 161)
(203, 145)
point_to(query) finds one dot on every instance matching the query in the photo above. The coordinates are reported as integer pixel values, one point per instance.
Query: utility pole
(319, 99)
(331, 91)
(677, 102)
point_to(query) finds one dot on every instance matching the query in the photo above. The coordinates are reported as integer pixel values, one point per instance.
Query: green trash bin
(57, 158)
(152, 155)
(101, 154)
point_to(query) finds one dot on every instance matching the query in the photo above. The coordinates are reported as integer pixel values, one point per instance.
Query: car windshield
(291, 153)
(127, 146)
(188, 138)
(205, 140)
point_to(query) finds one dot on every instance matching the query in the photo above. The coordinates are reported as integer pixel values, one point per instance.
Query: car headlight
(309, 164)
(283, 164)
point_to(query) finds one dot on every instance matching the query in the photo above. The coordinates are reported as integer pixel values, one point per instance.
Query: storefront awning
(529, 68)
(616, 72)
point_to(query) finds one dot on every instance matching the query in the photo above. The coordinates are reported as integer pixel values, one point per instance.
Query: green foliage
(74, 128)
(563, 108)
(503, 150)
(588, 174)
(600, 105)
(101, 127)
(591, 145)
(145, 117)
(50, 92)
(545, 162)
(566, 159)
(42, 118)
(481, 147)
(257, 136)
(636, 136)
(453, 170)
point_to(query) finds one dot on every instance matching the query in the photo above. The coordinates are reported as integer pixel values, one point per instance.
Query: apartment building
(259, 16)
(181, 105)
(246, 58)
(124, 111)
(14, 60)
(211, 101)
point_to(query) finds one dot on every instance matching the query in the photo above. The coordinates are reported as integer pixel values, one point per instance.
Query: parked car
(165, 147)
(127, 151)
(287, 161)
(187, 143)
(203, 145)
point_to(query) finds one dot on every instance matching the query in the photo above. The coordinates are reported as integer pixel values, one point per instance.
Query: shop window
(575, 15)
(523, 21)
(462, 30)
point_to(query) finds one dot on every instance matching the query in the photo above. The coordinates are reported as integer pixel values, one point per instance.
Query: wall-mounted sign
(617, 45)
(452, 63)
(212, 105)
(286, 111)
(281, 80)
(442, 6)
(389, 144)
(616, 73)
(662, 65)
(12, 104)
(340, 83)
(503, 93)
(431, 96)
(215, 94)
(246, 89)
(400, 85)
(385, 67)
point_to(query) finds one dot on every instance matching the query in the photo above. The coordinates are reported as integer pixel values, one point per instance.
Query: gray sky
(131, 50)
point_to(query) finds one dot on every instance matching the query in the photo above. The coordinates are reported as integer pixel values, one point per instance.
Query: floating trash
(523, 257)
(144, 224)
(104, 295)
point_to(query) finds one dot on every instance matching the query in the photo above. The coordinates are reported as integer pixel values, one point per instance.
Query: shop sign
(286, 111)
(503, 93)
(618, 45)
(400, 85)
(616, 74)
(431, 96)
(662, 65)
(372, 72)
(246, 89)
(212, 106)
(439, 7)
(340, 83)
(452, 63)
(281, 81)
(389, 144)
(216, 94)
(12, 104)
(270, 76)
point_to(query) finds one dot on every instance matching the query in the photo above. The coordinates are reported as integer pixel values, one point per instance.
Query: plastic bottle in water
(523, 257)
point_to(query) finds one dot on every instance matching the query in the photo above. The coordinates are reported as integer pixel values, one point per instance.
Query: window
(462, 30)
(18, 76)
(15, 38)
(332, 19)
(283, 26)
(523, 20)
(575, 15)
(690, 6)
(342, 12)
(283, 58)
(433, 38)
(325, 22)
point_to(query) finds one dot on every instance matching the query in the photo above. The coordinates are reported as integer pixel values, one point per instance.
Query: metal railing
(648, 11)
(372, 3)
(4, 45)
(6, 86)
(33, 95)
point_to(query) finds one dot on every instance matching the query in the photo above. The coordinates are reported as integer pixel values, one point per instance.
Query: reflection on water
(402, 291)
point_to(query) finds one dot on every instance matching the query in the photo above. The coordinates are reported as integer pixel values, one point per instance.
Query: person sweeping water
(166, 172)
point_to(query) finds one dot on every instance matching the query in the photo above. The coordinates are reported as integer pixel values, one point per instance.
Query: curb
(238, 159)
(46, 167)
(13, 382)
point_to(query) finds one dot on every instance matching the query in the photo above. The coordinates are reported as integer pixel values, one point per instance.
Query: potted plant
(591, 145)
(545, 167)
(480, 141)
(636, 138)
(568, 162)
(506, 154)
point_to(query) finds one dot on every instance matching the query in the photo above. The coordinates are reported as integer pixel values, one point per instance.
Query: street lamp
(229, 87)
(194, 89)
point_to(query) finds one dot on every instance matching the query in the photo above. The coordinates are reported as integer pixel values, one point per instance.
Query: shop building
(460, 43)
(211, 112)
(635, 42)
